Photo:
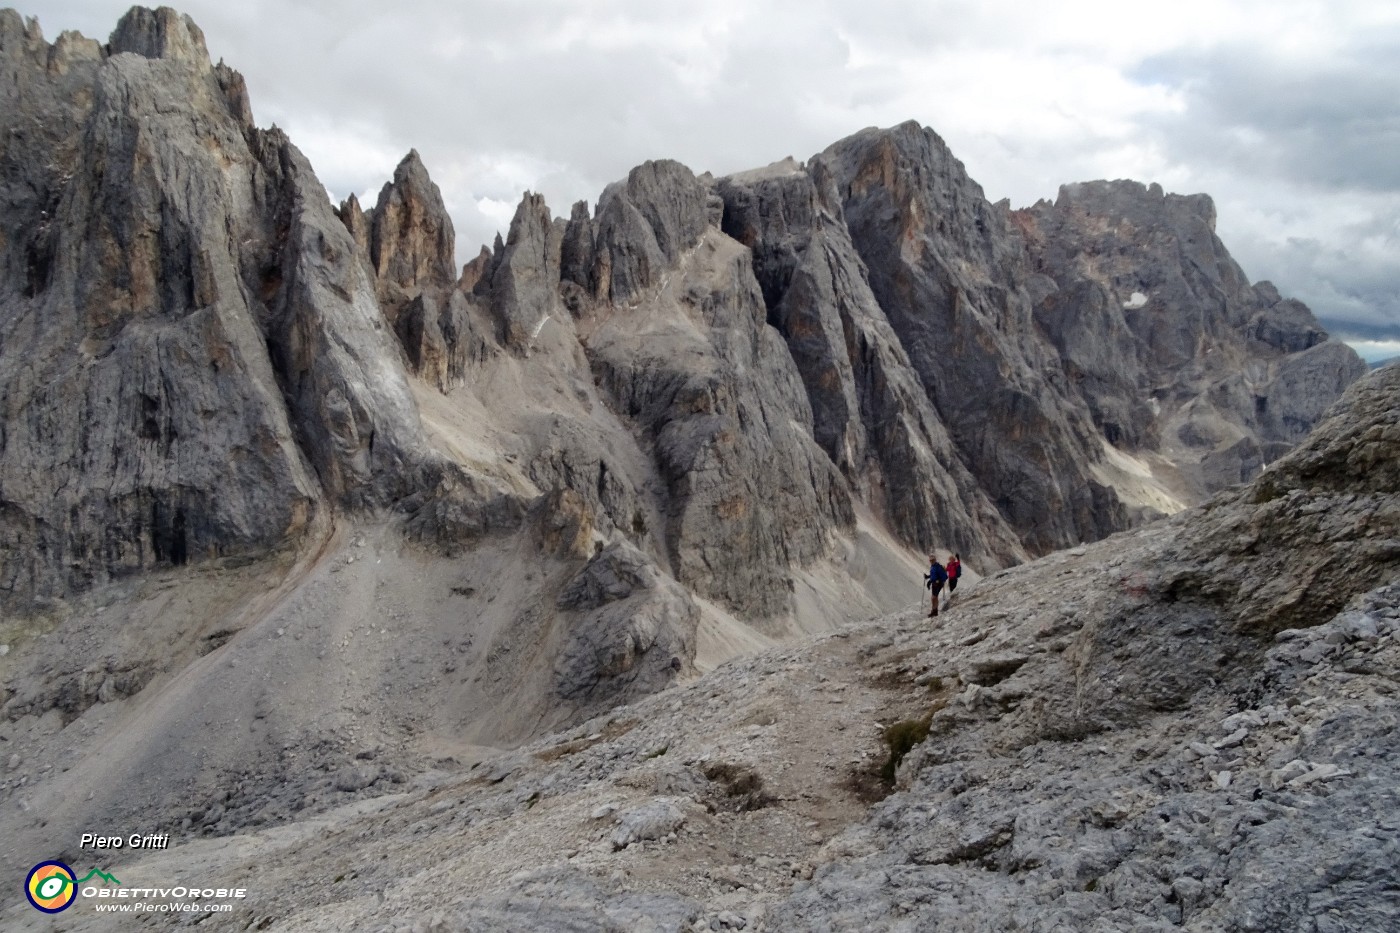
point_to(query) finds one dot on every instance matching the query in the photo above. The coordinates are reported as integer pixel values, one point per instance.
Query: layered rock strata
(961, 390)
(871, 415)
(651, 315)
(144, 420)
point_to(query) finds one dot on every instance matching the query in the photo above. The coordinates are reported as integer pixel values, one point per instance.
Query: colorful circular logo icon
(51, 887)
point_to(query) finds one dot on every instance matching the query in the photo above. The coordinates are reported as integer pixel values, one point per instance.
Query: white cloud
(1374, 351)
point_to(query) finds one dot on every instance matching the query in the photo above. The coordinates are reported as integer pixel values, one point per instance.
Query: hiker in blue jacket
(934, 580)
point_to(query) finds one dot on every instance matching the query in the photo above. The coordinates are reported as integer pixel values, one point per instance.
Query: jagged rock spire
(411, 243)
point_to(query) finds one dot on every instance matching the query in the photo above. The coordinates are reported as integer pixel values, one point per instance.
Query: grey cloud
(1301, 140)
(1334, 123)
(1356, 297)
(1349, 278)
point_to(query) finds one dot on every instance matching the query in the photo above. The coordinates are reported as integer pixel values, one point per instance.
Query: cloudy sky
(1286, 111)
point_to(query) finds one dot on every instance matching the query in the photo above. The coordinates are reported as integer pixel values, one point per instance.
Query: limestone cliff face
(751, 495)
(1165, 339)
(410, 238)
(968, 367)
(649, 314)
(870, 413)
(192, 361)
(950, 275)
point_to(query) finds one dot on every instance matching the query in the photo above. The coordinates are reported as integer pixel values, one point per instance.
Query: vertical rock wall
(191, 358)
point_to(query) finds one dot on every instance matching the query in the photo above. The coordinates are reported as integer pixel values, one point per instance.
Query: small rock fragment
(1233, 739)
(650, 821)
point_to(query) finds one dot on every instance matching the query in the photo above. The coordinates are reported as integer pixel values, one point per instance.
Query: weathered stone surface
(928, 382)
(643, 226)
(191, 356)
(525, 283)
(1284, 323)
(411, 242)
(576, 250)
(1148, 304)
(160, 34)
(750, 495)
(1098, 353)
(631, 630)
(443, 334)
(1321, 523)
(461, 511)
(1114, 741)
(143, 420)
(340, 366)
(359, 224)
(869, 411)
(1097, 820)
(950, 275)
(650, 821)
(1103, 753)
(556, 899)
(1305, 384)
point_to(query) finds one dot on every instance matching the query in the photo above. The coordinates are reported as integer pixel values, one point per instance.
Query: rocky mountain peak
(17, 32)
(949, 274)
(1143, 302)
(412, 244)
(525, 283)
(901, 320)
(869, 412)
(1129, 199)
(161, 33)
(475, 271)
(644, 225)
(357, 222)
(224, 375)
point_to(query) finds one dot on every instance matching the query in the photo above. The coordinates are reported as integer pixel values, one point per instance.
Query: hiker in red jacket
(954, 571)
